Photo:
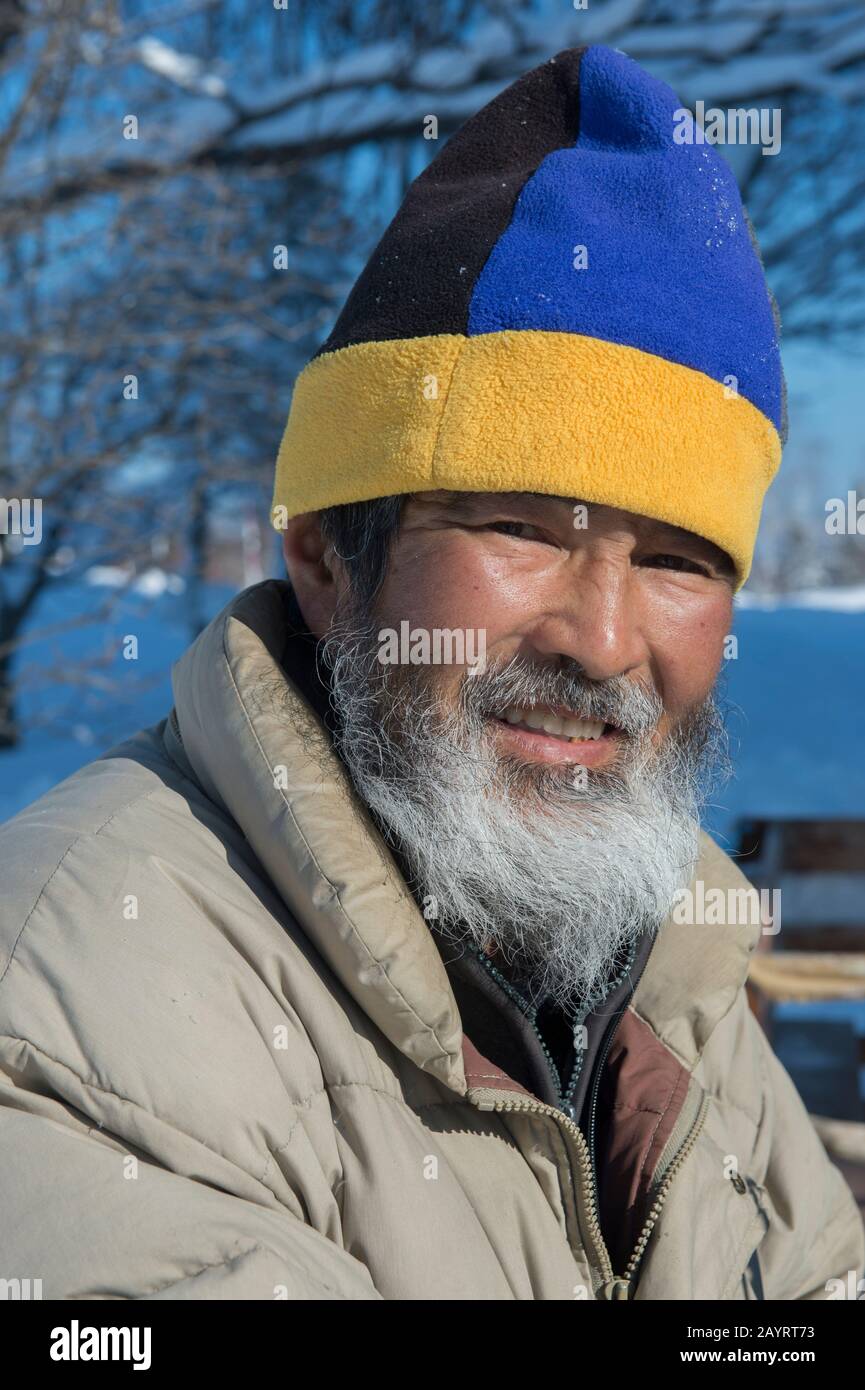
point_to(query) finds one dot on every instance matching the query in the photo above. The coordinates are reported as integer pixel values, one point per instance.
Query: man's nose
(598, 621)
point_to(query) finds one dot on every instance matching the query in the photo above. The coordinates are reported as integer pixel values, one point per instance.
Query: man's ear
(316, 575)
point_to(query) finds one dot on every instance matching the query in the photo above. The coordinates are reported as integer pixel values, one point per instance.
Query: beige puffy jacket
(232, 1064)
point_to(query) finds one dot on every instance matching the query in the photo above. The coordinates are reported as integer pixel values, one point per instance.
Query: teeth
(552, 724)
(567, 728)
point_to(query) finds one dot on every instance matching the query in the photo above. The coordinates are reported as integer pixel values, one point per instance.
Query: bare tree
(806, 57)
(152, 335)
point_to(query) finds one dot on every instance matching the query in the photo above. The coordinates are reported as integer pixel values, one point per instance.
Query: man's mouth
(568, 727)
(553, 734)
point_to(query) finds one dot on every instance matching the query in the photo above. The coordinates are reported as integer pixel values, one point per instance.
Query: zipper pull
(616, 1291)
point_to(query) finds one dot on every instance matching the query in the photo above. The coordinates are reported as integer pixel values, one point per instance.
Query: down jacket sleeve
(815, 1233)
(91, 1221)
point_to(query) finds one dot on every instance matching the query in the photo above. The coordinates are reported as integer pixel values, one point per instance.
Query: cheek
(688, 648)
(454, 583)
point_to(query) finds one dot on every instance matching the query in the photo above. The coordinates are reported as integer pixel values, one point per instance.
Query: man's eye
(675, 562)
(516, 528)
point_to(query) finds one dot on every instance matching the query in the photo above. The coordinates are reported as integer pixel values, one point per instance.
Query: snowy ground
(795, 691)
(71, 725)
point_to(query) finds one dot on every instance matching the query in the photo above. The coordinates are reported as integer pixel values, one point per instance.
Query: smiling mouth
(563, 725)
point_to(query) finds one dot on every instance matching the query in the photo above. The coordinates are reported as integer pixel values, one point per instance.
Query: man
(360, 976)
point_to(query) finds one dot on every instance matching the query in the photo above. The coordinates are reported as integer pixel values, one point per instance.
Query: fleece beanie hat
(570, 300)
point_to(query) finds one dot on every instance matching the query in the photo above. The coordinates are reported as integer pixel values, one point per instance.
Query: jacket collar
(260, 751)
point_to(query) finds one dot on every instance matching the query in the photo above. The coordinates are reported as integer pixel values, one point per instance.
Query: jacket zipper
(564, 1093)
(526, 1010)
(578, 1022)
(614, 1288)
(660, 1198)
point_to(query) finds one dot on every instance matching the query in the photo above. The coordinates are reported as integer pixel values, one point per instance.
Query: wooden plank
(823, 846)
(820, 938)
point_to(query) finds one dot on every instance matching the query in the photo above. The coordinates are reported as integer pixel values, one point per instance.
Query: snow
(348, 116)
(550, 32)
(377, 62)
(164, 141)
(849, 599)
(751, 76)
(457, 65)
(715, 40)
(795, 715)
(151, 583)
(73, 724)
(181, 68)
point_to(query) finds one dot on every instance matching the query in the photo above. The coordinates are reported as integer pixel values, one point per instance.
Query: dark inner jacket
(533, 1046)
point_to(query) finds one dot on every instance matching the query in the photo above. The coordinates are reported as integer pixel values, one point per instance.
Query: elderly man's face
(624, 596)
(545, 804)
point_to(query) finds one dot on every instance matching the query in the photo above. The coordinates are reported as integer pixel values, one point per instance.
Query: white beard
(561, 880)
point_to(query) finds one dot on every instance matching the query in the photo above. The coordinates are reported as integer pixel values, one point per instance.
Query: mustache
(631, 706)
(405, 697)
